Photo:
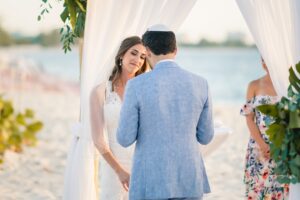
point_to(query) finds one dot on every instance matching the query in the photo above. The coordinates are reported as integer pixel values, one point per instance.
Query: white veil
(107, 24)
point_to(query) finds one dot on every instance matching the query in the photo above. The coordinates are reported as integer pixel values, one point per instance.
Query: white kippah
(159, 28)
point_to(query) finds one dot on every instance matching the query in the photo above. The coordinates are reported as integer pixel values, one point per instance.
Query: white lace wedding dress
(110, 185)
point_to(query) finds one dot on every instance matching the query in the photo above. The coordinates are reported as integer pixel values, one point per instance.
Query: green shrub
(16, 129)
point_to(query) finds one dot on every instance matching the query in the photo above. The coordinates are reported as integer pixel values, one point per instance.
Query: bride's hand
(124, 177)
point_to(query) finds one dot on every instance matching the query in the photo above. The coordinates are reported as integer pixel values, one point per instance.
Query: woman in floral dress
(259, 177)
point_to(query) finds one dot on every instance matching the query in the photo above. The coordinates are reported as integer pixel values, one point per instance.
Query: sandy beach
(38, 172)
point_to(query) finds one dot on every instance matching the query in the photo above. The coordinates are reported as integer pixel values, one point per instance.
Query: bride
(105, 106)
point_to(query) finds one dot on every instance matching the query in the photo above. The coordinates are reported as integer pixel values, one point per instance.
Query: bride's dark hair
(126, 44)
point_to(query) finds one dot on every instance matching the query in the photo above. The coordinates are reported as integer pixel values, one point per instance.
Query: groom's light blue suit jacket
(167, 112)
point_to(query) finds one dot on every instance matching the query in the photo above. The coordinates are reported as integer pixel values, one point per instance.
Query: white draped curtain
(275, 27)
(108, 22)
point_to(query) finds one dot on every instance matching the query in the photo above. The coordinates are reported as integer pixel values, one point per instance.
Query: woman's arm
(254, 131)
(97, 124)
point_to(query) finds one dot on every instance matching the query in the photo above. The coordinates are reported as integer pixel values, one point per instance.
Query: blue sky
(211, 19)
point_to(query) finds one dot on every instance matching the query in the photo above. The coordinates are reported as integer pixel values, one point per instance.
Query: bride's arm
(97, 126)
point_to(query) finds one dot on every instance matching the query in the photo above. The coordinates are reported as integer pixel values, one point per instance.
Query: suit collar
(165, 63)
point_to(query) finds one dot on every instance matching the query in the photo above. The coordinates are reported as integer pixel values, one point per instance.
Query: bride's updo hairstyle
(125, 46)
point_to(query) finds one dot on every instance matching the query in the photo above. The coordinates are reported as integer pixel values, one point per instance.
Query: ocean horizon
(227, 70)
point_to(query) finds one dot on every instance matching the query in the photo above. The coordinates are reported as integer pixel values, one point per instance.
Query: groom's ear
(175, 52)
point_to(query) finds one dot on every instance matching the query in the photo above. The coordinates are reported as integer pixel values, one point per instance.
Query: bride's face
(134, 59)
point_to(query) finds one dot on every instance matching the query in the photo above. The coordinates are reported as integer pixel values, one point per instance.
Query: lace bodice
(112, 107)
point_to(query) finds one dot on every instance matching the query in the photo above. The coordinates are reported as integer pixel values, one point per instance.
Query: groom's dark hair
(160, 42)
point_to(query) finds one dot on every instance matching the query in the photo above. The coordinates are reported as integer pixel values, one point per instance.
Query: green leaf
(293, 151)
(29, 138)
(34, 127)
(295, 170)
(282, 114)
(294, 81)
(294, 180)
(29, 113)
(297, 161)
(64, 15)
(2, 148)
(290, 91)
(294, 120)
(14, 139)
(72, 10)
(283, 179)
(297, 66)
(21, 119)
(39, 18)
(28, 135)
(292, 106)
(296, 141)
(79, 4)
(276, 133)
(270, 110)
(285, 152)
(274, 152)
(7, 110)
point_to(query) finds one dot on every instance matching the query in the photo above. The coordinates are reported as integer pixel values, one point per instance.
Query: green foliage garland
(73, 16)
(284, 132)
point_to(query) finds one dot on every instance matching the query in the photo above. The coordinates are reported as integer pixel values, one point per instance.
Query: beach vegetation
(17, 129)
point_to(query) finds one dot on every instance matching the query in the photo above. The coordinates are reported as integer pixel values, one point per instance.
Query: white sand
(37, 173)
(225, 166)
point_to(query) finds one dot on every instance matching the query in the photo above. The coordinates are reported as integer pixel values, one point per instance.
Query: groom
(167, 112)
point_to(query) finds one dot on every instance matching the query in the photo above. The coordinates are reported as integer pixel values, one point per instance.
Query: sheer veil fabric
(275, 27)
(107, 24)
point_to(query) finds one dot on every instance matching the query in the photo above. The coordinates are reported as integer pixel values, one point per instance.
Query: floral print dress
(259, 176)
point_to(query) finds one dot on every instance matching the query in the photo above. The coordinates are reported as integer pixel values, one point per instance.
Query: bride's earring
(120, 62)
